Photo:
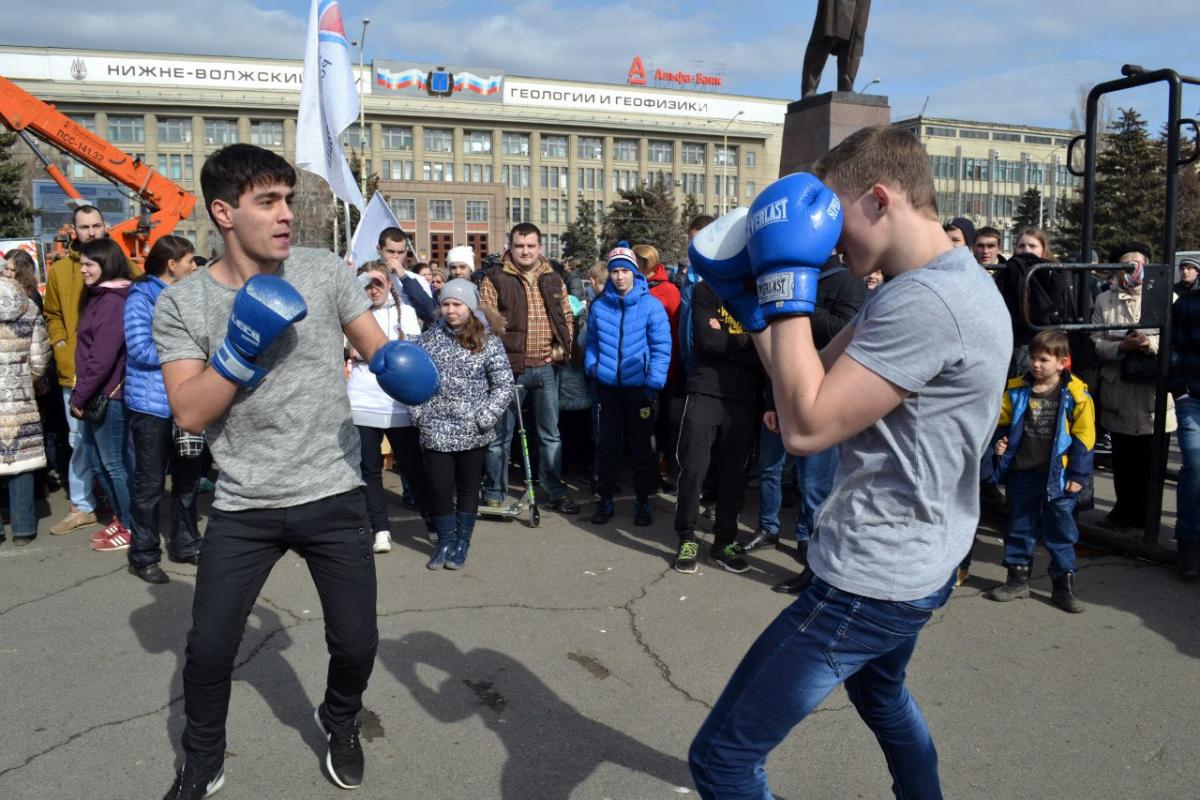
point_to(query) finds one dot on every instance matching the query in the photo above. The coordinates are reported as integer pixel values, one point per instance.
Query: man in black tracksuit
(723, 388)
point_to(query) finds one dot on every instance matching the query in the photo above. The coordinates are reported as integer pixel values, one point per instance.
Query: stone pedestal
(815, 125)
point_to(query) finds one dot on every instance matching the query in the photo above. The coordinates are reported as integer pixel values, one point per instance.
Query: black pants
(237, 554)
(730, 425)
(454, 480)
(1131, 478)
(625, 410)
(406, 447)
(153, 453)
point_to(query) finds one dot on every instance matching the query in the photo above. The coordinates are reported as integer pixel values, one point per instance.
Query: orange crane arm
(165, 202)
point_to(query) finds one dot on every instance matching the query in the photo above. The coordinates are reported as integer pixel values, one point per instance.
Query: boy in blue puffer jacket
(1043, 453)
(628, 353)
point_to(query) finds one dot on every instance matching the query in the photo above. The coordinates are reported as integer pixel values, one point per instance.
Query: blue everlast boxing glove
(718, 254)
(405, 372)
(791, 230)
(263, 309)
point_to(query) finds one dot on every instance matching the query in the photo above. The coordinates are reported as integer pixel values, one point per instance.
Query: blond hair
(880, 154)
(647, 258)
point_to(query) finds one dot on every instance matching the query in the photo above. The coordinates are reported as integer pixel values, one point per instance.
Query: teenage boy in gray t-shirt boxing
(251, 352)
(909, 393)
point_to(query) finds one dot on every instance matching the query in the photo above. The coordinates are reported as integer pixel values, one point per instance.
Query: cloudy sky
(1020, 61)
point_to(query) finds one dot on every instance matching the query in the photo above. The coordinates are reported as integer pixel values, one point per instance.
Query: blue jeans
(109, 441)
(1187, 497)
(20, 507)
(1031, 513)
(545, 426)
(81, 468)
(825, 638)
(814, 478)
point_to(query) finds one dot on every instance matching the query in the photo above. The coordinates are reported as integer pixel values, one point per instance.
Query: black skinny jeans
(406, 447)
(625, 411)
(237, 554)
(153, 453)
(453, 474)
(730, 426)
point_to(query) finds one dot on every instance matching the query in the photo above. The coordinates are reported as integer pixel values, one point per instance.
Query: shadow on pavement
(552, 748)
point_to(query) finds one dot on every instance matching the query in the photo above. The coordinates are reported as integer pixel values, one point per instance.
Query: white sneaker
(383, 542)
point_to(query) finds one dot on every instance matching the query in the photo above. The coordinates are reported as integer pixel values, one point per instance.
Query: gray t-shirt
(905, 501)
(290, 440)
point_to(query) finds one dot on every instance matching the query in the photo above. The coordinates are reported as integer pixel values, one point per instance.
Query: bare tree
(1104, 111)
(313, 209)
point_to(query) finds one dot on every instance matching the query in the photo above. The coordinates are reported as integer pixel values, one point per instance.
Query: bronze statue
(840, 28)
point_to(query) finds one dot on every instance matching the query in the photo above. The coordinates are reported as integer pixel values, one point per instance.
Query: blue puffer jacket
(144, 390)
(629, 338)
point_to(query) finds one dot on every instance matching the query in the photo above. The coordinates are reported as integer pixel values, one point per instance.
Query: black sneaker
(729, 557)
(686, 560)
(604, 511)
(344, 759)
(190, 784)
(643, 515)
(564, 505)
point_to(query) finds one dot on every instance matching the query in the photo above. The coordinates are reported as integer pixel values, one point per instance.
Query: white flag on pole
(377, 217)
(328, 101)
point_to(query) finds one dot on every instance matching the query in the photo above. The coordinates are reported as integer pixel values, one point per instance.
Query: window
(624, 180)
(518, 210)
(477, 173)
(439, 140)
(350, 139)
(937, 130)
(544, 217)
(976, 169)
(515, 144)
(751, 158)
(730, 186)
(477, 143)
(661, 152)
(693, 153)
(220, 131)
(404, 208)
(1062, 142)
(437, 171)
(943, 166)
(750, 189)
(84, 120)
(1004, 136)
(554, 147)
(397, 170)
(266, 133)
(591, 179)
(693, 183)
(591, 148)
(1031, 139)
(477, 211)
(176, 167)
(126, 130)
(441, 210)
(396, 137)
(725, 155)
(967, 133)
(624, 150)
(554, 178)
(175, 130)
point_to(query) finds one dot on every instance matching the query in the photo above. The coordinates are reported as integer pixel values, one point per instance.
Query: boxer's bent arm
(196, 393)
(829, 353)
(365, 335)
(818, 409)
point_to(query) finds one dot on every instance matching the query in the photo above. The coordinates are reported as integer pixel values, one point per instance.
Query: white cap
(461, 255)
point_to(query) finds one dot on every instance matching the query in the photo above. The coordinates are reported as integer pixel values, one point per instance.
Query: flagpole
(346, 206)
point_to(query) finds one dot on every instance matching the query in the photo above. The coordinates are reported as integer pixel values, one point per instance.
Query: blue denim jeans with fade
(825, 638)
(1033, 514)
(1187, 498)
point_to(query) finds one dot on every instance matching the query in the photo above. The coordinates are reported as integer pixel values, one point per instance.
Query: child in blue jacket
(1043, 448)
(628, 353)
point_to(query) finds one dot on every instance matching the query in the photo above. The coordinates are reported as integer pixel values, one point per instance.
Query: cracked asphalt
(568, 661)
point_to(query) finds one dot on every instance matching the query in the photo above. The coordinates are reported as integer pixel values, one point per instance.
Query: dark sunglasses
(377, 285)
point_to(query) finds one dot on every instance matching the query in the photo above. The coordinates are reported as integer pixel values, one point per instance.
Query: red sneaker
(118, 541)
(104, 533)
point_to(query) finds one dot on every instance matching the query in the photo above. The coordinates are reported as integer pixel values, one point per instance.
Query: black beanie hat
(968, 229)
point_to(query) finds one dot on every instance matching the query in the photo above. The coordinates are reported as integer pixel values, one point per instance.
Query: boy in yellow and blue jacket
(1043, 454)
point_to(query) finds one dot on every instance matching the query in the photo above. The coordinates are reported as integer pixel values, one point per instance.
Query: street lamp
(1041, 185)
(362, 111)
(725, 160)
(869, 85)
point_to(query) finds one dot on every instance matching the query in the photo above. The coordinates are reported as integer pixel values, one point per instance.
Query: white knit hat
(461, 255)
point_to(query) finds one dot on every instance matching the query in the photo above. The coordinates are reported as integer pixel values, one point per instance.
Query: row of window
(1001, 170)
(996, 136)
(178, 130)
(983, 205)
(440, 210)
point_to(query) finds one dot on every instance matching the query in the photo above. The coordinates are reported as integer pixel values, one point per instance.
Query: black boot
(761, 538)
(1187, 557)
(446, 541)
(1015, 587)
(464, 527)
(1064, 594)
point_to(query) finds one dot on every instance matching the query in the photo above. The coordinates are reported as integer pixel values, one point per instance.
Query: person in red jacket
(668, 294)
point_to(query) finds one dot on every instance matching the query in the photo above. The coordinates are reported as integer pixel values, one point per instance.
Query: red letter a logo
(637, 72)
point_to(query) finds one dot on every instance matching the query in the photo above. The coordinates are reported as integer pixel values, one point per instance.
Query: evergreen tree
(689, 211)
(1129, 187)
(1027, 211)
(16, 217)
(579, 239)
(647, 215)
(1187, 218)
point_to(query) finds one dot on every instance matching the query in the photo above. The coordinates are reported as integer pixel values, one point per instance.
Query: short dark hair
(112, 260)
(85, 209)
(987, 230)
(524, 229)
(880, 154)
(233, 169)
(1055, 343)
(168, 248)
(392, 234)
(700, 221)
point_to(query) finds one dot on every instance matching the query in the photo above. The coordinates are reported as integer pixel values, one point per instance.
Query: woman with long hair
(457, 423)
(150, 423)
(99, 394)
(1036, 242)
(376, 415)
(20, 267)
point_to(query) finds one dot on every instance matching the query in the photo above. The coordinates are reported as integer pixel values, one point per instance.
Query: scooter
(529, 499)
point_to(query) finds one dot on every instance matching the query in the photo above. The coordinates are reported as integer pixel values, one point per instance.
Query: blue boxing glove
(718, 254)
(262, 310)
(791, 230)
(405, 372)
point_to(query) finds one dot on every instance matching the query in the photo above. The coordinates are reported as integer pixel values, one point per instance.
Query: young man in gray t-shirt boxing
(909, 392)
(251, 352)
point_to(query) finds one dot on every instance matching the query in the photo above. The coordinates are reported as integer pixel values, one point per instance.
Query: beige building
(462, 153)
(981, 169)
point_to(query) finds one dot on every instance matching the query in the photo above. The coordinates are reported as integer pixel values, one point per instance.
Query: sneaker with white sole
(104, 533)
(344, 758)
(383, 542)
(117, 541)
(190, 784)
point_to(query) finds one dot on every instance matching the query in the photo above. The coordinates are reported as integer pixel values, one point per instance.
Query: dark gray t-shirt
(905, 501)
(290, 440)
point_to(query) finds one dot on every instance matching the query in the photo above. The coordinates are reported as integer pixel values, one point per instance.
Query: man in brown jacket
(64, 288)
(538, 333)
